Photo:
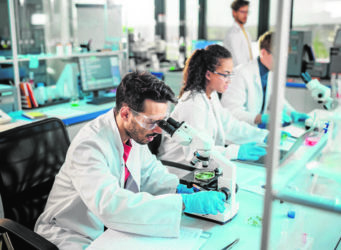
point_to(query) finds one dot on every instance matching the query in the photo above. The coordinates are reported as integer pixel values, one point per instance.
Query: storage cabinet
(40, 37)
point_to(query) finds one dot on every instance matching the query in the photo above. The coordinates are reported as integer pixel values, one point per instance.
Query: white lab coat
(237, 44)
(208, 116)
(89, 192)
(244, 96)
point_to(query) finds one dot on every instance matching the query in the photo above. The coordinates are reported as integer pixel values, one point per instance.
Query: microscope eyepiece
(174, 123)
(166, 127)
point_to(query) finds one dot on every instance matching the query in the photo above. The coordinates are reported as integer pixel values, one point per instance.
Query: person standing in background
(238, 40)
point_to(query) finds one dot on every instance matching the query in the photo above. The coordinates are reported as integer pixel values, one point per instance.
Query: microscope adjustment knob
(226, 191)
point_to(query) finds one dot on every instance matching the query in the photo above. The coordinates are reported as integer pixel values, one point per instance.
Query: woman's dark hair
(136, 87)
(198, 63)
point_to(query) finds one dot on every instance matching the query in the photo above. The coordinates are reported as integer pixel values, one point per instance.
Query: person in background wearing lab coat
(110, 179)
(208, 72)
(238, 40)
(248, 96)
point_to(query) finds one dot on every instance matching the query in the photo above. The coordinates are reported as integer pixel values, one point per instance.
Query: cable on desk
(337, 244)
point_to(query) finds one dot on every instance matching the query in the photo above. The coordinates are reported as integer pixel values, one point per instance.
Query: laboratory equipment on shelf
(221, 179)
(319, 92)
(8, 98)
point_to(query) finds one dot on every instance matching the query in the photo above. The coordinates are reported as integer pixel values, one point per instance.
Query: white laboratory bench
(73, 116)
(310, 229)
(321, 228)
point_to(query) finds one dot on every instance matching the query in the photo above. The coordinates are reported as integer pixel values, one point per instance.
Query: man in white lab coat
(248, 96)
(238, 40)
(110, 178)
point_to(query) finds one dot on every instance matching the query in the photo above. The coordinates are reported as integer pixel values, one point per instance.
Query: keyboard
(102, 100)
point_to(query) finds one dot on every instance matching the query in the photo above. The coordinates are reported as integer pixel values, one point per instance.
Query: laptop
(283, 154)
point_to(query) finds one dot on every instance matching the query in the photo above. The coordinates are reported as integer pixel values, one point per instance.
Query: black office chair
(31, 156)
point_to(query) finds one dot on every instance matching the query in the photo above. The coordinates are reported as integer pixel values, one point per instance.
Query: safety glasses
(148, 122)
(225, 77)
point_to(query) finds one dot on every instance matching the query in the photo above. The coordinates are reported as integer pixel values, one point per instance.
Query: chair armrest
(21, 235)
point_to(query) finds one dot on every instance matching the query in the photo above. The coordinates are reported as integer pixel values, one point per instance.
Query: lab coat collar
(117, 141)
(235, 25)
(134, 169)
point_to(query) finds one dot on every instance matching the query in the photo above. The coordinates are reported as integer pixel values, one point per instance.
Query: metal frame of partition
(272, 160)
(14, 49)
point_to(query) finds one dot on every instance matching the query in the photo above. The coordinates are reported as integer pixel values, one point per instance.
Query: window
(139, 15)
(323, 18)
(172, 21)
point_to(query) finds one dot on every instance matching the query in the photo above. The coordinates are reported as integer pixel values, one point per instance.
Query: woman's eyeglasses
(226, 77)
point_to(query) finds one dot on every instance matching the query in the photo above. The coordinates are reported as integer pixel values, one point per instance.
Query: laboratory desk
(309, 225)
(73, 115)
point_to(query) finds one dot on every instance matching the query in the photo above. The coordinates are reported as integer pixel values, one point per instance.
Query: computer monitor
(99, 73)
(337, 40)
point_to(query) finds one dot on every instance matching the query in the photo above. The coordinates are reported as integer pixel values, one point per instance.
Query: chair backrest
(30, 157)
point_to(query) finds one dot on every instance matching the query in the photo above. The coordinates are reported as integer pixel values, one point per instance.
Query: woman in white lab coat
(207, 72)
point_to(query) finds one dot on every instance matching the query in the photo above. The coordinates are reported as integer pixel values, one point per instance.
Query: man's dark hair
(237, 4)
(264, 41)
(136, 87)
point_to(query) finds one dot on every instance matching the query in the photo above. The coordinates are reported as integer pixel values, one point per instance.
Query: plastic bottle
(41, 93)
(31, 78)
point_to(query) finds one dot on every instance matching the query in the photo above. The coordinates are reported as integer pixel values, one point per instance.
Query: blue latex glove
(298, 117)
(183, 189)
(204, 202)
(286, 119)
(250, 151)
(265, 118)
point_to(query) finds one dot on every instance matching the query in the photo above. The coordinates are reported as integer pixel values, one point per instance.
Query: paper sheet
(254, 184)
(187, 240)
(294, 131)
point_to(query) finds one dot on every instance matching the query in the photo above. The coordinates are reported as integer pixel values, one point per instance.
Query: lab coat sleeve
(155, 178)
(240, 132)
(120, 209)
(195, 116)
(235, 99)
(288, 107)
(229, 151)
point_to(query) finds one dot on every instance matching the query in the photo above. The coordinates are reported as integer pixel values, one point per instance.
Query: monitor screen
(99, 72)
(337, 40)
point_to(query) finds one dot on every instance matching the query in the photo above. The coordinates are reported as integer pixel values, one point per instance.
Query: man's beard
(134, 134)
(240, 21)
